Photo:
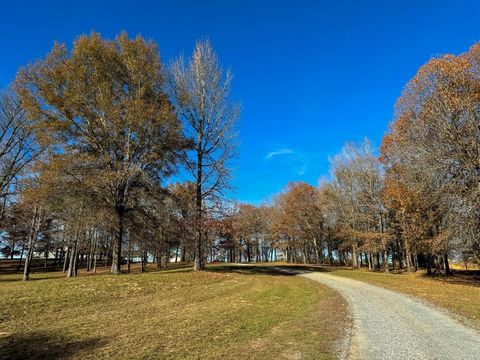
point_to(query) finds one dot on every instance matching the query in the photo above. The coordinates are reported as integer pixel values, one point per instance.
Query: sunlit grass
(169, 315)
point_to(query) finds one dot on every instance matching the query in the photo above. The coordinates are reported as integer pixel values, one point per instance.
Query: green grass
(459, 294)
(177, 314)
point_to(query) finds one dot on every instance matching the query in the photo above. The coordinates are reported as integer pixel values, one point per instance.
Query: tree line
(95, 140)
(415, 204)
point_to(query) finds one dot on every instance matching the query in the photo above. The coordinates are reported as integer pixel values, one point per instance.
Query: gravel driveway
(389, 325)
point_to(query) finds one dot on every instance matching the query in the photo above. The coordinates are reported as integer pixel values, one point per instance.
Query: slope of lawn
(458, 294)
(219, 314)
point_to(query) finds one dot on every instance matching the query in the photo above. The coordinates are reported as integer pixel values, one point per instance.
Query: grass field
(223, 313)
(227, 312)
(458, 294)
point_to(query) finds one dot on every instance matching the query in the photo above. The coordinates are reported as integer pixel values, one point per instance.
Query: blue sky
(311, 75)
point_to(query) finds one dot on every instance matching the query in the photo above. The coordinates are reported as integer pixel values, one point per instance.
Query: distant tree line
(94, 139)
(415, 205)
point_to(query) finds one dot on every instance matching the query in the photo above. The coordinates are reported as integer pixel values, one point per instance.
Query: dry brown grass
(172, 314)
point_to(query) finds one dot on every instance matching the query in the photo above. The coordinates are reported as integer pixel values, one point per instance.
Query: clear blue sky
(310, 74)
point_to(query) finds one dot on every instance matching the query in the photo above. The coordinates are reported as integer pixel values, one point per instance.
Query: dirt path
(389, 325)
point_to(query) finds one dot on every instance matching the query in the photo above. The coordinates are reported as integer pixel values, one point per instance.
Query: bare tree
(201, 91)
(355, 193)
(17, 141)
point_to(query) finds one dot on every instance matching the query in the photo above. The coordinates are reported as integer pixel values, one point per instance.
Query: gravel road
(389, 325)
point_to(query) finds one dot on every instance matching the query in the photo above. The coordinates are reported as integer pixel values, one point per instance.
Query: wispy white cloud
(302, 169)
(300, 162)
(284, 151)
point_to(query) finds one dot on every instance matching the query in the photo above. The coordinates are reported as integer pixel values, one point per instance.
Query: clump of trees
(91, 137)
(112, 125)
(432, 159)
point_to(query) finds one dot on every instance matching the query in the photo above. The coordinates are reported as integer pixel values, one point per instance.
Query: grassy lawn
(459, 294)
(224, 313)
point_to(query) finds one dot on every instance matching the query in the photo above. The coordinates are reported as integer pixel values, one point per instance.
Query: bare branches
(201, 93)
(200, 90)
(18, 146)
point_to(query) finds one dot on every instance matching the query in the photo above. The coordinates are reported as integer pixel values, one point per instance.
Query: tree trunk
(184, 253)
(58, 255)
(94, 248)
(198, 264)
(446, 264)
(354, 256)
(144, 261)
(31, 243)
(47, 245)
(75, 262)
(129, 254)
(330, 253)
(65, 260)
(95, 258)
(385, 259)
(72, 272)
(4, 205)
(400, 255)
(429, 264)
(408, 257)
(160, 259)
(315, 244)
(117, 244)
(21, 256)
(108, 249)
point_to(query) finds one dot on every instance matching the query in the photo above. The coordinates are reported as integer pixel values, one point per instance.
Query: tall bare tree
(201, 89)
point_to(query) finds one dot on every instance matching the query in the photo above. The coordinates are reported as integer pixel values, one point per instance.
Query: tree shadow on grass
(49, 346)
(33, 277)
(280, 270)
(459, 277)
(8, 266)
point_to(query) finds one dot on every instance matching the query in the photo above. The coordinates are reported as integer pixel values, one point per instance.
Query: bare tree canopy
(18, 146)
(200, 90)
